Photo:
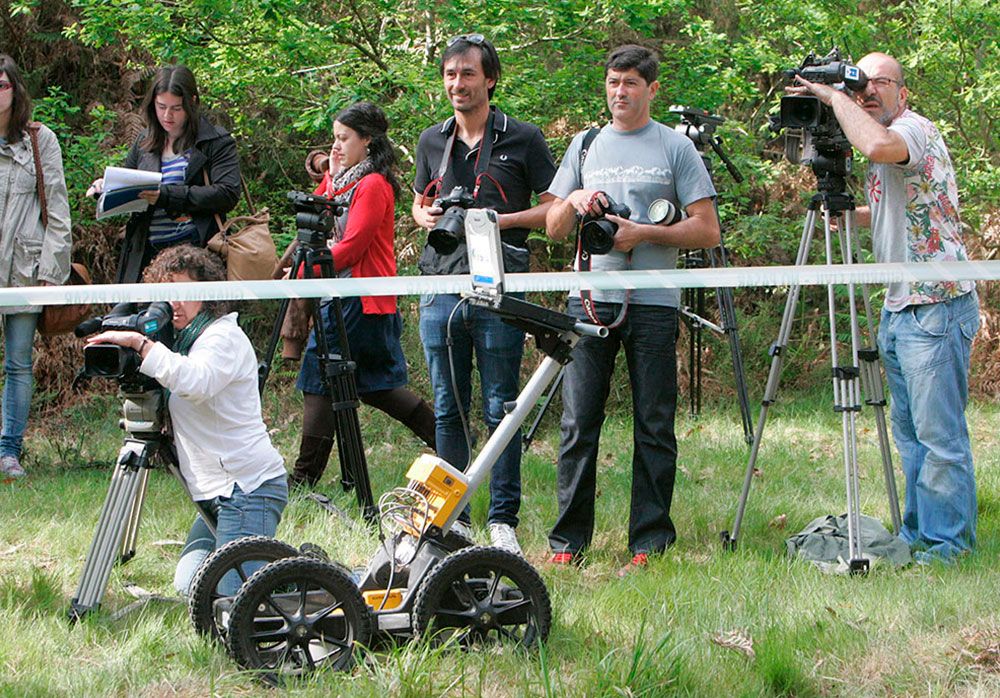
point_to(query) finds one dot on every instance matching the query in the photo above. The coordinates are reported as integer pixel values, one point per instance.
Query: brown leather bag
(245, 243)
(57, 319)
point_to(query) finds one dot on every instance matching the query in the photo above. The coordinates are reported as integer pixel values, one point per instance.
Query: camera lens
(598, 236)
(799, 111)
(449, 231)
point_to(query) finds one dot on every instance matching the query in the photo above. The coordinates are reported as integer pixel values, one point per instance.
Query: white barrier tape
(813, 275)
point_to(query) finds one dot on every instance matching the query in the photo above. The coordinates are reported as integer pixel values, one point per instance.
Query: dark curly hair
(198, 263)
(370, 122)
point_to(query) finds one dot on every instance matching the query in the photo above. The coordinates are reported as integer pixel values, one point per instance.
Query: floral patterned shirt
(915, 212)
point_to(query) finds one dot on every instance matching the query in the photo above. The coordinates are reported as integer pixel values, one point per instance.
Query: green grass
(918, 631)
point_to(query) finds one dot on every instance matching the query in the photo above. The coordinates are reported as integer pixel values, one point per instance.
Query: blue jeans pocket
(932, 318)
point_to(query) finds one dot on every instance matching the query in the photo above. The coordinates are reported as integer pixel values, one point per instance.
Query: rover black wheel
(479, 595)
(241, 557)
(295, 616)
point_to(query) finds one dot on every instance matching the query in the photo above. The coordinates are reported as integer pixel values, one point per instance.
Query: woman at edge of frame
(184, 146)
(31, 254)
(223, 447)
(362, 161)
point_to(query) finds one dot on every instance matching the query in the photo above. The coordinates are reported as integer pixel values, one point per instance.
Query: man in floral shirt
(926, 328)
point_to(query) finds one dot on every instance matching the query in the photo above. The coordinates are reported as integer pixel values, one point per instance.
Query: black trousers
(648, 336)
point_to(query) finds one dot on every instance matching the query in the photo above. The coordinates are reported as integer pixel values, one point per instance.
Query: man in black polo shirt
(501, 161)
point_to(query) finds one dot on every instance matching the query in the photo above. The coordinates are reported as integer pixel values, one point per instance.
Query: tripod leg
(729, 540)
(874, 390)
(847, 395)
(131, 534)
(727, 317)
(529, 435)
(119, 506)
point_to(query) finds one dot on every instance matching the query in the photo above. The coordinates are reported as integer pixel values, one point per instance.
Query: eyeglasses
(476, 39)
(4, 85)
(882, 82)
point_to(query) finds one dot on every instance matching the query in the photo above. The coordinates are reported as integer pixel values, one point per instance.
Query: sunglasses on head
(476, 39)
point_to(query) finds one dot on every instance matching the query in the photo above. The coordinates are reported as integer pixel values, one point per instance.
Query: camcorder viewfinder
(449, 232)
(114, 361)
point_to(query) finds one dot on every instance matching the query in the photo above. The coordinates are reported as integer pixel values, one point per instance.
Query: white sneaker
(503, 536)
(10, 466)
(462, 529)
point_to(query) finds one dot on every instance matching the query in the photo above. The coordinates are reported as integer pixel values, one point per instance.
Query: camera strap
(583, 256)
(482, 160)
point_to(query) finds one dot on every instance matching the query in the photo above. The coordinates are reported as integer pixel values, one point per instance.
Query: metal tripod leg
(874, 391)
(729, 539)
(120, 510)
(847, 393)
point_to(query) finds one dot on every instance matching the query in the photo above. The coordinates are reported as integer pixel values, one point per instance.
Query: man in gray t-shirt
(927, 328)
(634, 161)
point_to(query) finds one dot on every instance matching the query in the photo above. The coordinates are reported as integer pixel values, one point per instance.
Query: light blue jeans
(255, 514)
(18, 340)
(926, 353)
(498, 348)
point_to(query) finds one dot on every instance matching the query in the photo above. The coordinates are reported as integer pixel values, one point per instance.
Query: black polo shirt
(520, 162)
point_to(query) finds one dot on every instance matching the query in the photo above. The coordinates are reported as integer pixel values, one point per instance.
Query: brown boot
(314, 452)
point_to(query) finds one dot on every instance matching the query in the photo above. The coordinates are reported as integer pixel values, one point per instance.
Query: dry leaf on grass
(738, 640)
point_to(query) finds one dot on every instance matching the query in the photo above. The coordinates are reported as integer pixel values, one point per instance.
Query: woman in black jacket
(200, 168)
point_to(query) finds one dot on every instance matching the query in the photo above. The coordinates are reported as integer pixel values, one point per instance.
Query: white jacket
(215, 410)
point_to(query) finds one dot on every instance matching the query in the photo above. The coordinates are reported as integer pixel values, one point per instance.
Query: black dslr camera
(113, 361)
(315, 216)
(597, 233)
(450, 229)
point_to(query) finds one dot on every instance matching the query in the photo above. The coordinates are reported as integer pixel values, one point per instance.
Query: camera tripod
(860, 371)
(118, 525)
(699, 126)
(337, 369)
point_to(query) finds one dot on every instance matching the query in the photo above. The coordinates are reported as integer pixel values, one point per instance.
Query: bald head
(882, 64)
(885, 96)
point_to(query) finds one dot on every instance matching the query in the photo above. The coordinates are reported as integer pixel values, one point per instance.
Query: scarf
(187, 337)
(344, 180)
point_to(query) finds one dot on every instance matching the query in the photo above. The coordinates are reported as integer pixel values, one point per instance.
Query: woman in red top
(362, 160)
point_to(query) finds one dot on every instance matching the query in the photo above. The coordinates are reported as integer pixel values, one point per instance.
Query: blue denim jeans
(498, 348)
(18, 340)
(648, 336)
(926, 353)
(239, 515)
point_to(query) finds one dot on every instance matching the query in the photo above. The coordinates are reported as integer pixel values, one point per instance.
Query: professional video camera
(315, 215)
(814, 135)
(112, 360)
(450, 229)
(597, 233)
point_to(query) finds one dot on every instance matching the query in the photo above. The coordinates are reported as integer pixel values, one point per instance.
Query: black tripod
(315, 218)
(699, 126)
(861, 370)
(118, 526)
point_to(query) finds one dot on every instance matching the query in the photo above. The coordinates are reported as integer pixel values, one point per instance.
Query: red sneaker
(562, 558)
(639, 560)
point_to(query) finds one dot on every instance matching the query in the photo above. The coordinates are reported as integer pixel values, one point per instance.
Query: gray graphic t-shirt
(635, 168)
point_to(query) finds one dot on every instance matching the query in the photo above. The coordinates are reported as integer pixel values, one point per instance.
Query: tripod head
(699, 125)
(315, 217)
(142, 410)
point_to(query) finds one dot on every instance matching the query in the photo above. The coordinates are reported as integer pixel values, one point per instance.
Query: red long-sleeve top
(367, 245)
